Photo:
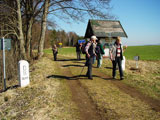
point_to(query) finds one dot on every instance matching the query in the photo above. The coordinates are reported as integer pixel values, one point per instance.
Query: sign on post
(81, 41)
(136, 58)
(23, 73)
(60, 44)
(7, 43)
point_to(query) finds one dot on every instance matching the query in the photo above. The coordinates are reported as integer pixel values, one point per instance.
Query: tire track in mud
(133, 92)
(87, 108)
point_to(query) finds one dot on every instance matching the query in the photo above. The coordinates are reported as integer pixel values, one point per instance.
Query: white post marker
(136, 58)
(23, 73)
(123, 63)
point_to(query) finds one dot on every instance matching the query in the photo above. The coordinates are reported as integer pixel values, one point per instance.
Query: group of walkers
(94, 50)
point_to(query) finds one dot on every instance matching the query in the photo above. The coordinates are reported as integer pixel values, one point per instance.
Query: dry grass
(10, 67)
(44, 99)
(146, 78)
(113, 103)
(118, 105)
(48, 97)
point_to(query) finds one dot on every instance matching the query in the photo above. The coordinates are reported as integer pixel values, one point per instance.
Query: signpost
(136, 58)
(5, 44)
(60, 44)
(81, 41)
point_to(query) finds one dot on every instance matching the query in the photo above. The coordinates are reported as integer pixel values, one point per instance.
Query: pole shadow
(11, 87)
(66, 60)
(109, 67)
(79, 62)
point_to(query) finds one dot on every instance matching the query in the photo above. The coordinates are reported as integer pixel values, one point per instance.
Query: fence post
(4, 70)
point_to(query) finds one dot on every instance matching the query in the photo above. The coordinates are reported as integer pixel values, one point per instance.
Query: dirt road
(135, 99)
(58, 91)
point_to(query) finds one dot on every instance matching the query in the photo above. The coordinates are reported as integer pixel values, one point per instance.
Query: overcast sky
(139, 18)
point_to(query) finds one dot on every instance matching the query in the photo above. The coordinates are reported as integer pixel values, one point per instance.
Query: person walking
(78, 50)
(90, 53)
(117, 57)
(55, 51)
(100, 52)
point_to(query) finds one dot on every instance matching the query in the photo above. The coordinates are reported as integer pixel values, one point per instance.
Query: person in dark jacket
(55, 52)
(90, 53)
(100, 52)
(78, 50)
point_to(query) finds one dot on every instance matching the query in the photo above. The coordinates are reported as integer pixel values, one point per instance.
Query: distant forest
(59, 36)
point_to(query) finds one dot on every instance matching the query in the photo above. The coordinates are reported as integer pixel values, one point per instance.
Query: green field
(63, 51)
(145, 52)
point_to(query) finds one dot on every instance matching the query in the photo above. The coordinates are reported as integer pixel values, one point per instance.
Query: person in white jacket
(117, 57)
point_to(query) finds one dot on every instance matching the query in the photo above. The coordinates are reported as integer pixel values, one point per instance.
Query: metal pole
(110, 38)
(136, 63)
(82, 70)
(4, 71)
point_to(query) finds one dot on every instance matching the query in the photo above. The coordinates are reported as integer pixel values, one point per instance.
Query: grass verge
(45, 98)
(113, 103)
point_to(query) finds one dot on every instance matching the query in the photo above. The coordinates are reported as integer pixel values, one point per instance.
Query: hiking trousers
(119, 62)
(89, 64)
(78, 55)
(55, 56)
(99, 62)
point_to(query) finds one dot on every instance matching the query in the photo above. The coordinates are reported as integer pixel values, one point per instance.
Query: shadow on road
(77, 77)
(73, 65)
(108, 67)
(69, 60)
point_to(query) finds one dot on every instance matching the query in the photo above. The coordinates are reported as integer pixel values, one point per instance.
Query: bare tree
(28, 11)
(75, 9)
(20, 30)
(11, 19)
(43, 28)
(32, 9)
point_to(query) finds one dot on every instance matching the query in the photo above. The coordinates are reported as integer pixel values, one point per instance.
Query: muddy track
(85, 105)
(133, 92)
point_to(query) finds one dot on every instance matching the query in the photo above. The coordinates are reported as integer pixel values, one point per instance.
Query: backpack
(83, 48)
(98, 50)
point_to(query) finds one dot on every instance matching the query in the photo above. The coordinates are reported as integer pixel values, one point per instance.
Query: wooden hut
(106, 30)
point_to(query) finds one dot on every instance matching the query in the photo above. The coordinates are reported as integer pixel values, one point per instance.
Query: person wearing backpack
(90, 54)
(99, 52)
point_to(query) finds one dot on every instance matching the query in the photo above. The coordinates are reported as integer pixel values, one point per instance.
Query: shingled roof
(105, 28)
